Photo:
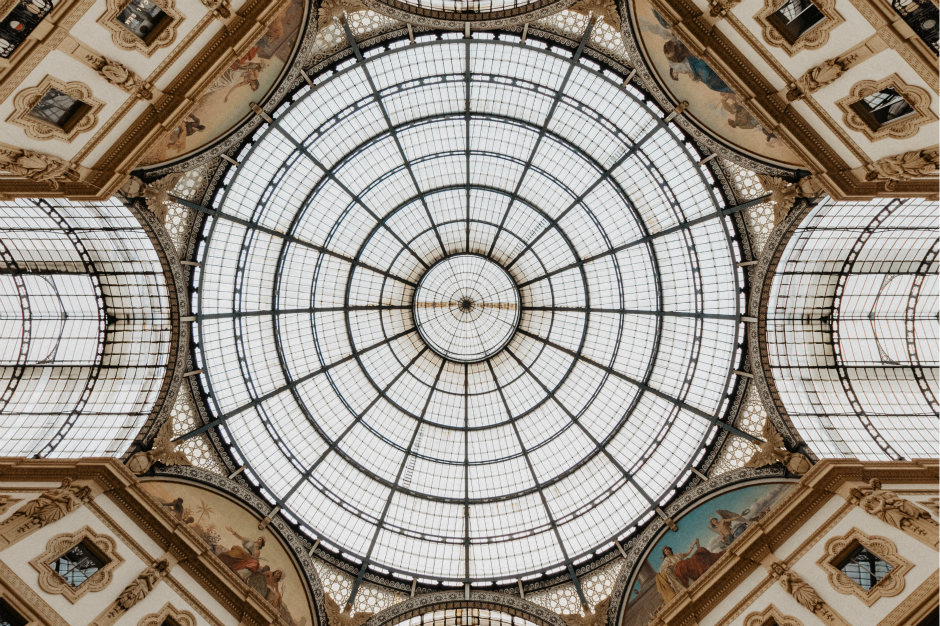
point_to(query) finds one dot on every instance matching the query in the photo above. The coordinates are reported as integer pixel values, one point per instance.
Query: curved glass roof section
(852, 329)
(629, 323)
(85, 328)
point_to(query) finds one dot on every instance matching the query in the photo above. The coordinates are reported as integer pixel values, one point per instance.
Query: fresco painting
(710, 99)
(226, 101)
(256, 557)
(680, 558)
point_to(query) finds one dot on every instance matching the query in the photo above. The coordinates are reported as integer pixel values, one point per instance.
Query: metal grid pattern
(609, 390)
(84, 328)
(466, 617)
(852, 329)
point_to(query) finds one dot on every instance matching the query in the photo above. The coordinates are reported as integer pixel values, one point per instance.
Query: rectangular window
(882, 108)
(864, 568)
(144, 18)
(59, 109)
(796, 17)
(9, 617)
(77, 565)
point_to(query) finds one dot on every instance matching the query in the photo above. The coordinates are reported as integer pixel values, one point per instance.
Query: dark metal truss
(356, 262)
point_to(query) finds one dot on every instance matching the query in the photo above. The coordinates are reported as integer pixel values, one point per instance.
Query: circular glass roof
(466, 308)
(585, 375)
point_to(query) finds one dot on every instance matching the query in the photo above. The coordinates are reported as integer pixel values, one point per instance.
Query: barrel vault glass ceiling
(529, 163)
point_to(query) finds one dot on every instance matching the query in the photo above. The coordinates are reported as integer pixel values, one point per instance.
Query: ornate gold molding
(137, 590)
(906, 166)
(828, 71)
(772, 449)
(164, 448)
(126, 40)
(908, 126)
(26, 601)
(84, 120)
(896, 511)
(50, 506)
(838, 548)
(103, 546)
(804, 594)
(6, 501)
(171, 614)
(815, 37)
(770, 615)
(915, 607)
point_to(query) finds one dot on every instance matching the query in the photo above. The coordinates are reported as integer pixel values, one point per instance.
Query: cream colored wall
(880, 66)
(851, 608)
(89, 606)
(136, 559)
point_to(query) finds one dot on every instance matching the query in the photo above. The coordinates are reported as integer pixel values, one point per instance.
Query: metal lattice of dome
(523, 451)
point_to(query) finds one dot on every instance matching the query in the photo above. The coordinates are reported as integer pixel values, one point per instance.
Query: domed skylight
(575, 290)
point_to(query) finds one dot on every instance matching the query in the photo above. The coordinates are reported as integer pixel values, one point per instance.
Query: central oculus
(466, 308)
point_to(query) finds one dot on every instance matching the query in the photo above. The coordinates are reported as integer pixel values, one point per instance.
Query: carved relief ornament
(164, 448)
(25, 100)
(169, 614)
(838, 548)
(905, 166)
(6, 501)
(133, 593)
(804, 594)
(815, 37)
(905, 127)
(49, 507)
(770, 615)
(105, 548)
(898, 512)
(126, 40)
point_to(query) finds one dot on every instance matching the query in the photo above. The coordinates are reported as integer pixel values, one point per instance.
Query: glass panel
(864, 568)
(77, 565)
(9, 617)
(493, 309)
(796, 17)
(56, 108)
(143, 18)
(885, 106)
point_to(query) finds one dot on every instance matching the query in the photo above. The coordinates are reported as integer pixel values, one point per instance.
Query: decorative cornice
(512, 605)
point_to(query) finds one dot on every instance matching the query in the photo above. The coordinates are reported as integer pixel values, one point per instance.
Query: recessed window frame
(104, 547)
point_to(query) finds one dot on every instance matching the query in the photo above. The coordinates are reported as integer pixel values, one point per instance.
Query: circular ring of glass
(596, 407)
(466, 308)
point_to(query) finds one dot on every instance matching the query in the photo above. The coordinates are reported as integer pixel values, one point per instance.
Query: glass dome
(559, 208)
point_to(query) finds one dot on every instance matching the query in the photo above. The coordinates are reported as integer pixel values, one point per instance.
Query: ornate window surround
(815, 37)
(51, 582)
(168, 614)
(24, 101)
(917, 98)
(770, 615)
(127, 40)
(882, 547)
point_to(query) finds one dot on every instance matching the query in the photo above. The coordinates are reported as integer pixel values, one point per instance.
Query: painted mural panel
(680, 558)
(710, 99)
(226, 101)
(257, 557)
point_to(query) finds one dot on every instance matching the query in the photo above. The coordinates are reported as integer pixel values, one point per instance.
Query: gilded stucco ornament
(133, 593)
(156, 195)
(37, 167)
(905, 166)
(598, 8)
(49, 507)
(334, 9)
(837, 548)
(102, 546)
(896, 511)
(164, 450)
(804, 594)
(772, 450)
(784, 194)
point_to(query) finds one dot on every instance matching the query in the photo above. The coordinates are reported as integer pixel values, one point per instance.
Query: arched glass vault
(521, 458)
(852, 329)
(85, 328)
